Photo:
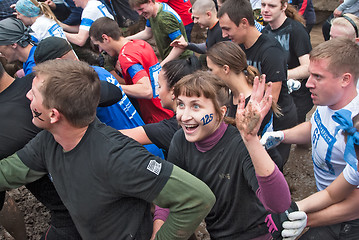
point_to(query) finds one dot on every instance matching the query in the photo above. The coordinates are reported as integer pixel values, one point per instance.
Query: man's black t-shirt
(268, 57)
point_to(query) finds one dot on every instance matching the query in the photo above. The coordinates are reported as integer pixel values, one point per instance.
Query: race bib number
(154, 71)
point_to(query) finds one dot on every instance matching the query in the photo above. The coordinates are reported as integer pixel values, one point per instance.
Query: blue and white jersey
(121, 115)
(30, 62)
(45, 27)
(327, 148)
(93, 11)
(351, 175)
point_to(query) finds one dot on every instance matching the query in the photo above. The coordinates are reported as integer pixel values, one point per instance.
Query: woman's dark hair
(177, 69)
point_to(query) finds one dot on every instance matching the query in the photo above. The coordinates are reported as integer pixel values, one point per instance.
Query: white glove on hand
(293, 85)
(272, 139)
(293, 228)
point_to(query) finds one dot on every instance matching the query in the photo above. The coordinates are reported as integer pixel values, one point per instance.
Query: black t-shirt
(214, 35)
(16, 117)
(17, 129)
(161, 133)
(268, 56)
(228, 171)
(107, 181)
(294, 39)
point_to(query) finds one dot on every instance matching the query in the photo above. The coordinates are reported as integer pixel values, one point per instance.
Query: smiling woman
(236, 169)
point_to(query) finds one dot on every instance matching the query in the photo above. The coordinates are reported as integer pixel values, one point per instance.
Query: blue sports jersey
(121, 115)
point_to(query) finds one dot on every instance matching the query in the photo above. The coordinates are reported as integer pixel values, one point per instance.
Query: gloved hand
(295, 226)
(293, 85)
(275, 221)
(272, 139)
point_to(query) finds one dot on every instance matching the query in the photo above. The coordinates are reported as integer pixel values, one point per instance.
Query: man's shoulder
(136, 51)
(267, 40)
(92, 4)
(266, 46)
(166, 13)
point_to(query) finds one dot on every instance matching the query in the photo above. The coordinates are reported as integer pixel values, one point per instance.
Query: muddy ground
(298, 172)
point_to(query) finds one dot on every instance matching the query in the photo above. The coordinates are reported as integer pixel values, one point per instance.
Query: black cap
(51, 48)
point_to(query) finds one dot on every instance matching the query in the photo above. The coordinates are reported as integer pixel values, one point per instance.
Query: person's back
(39, 16)
(182, 7)
(162, 29)
(121, 115)
(138, 65)
(133, 54)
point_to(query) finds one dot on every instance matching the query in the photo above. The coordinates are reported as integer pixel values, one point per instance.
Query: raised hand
(250, 117)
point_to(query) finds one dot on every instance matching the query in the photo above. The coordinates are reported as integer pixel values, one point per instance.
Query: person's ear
(55, 116)
(226, 69)
(284, 7)
(223, 111)
(244, 22)
(14, 45)
(347, 78)
(105, 38)
(172, 94)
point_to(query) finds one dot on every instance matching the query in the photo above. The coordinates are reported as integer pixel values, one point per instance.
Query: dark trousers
(289, 120)
(188, 28)
(326, 27)
(340, 231)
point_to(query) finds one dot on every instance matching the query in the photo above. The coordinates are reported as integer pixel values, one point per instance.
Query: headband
(352, 23)
(343, 118)
(27, 8)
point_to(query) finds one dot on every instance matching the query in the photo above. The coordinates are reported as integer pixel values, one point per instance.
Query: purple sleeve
(274, 192)
(161, 213)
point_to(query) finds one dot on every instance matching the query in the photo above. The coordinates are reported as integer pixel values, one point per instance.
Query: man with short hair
(105, 179)
(295, 40)
(137, 63)
(16, 130)
(265, 53)
(164, 24)
(204, 13)
(16, 43)
(333, 76)
(92, 10)
(122, 114)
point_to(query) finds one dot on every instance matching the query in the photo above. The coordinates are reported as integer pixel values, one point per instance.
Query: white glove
(272, 139)
(293, 85)
(293, 228)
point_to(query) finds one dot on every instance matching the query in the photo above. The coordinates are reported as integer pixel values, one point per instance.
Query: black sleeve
(110, 94)
(161, 133)
(197, 47)
(2, 199)
(176, 150)
(248, 169)
(301, 42)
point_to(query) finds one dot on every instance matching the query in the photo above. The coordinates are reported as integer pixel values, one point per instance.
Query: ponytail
(292, 13)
